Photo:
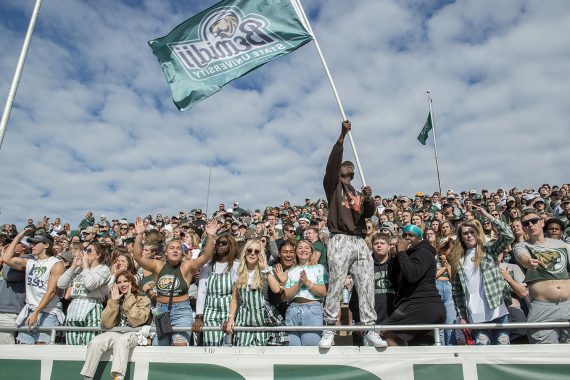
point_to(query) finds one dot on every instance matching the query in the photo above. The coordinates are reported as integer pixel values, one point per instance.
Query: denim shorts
(32, 337)
(180, 316)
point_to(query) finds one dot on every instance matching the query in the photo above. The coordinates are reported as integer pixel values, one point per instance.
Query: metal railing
(378, 328)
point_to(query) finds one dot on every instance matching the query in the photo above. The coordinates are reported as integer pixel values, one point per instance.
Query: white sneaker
(327, 339)
(372, 338)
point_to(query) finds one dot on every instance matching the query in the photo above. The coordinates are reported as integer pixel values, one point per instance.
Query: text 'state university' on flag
(224, 42)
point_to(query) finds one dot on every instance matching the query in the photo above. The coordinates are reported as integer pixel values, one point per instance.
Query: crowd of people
(468, 257)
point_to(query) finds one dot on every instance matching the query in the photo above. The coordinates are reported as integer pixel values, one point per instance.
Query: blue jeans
(444, 288)
(31, 337)
(304, 314)
(180, 316)
(486, 337)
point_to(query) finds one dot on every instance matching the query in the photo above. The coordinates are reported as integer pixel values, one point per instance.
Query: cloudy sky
(94, 128)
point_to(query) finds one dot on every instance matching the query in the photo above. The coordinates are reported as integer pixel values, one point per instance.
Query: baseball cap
(41, 238)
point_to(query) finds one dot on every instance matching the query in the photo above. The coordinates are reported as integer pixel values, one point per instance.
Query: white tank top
(37, 277)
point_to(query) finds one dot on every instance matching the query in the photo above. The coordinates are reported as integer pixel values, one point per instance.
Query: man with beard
(347, 250)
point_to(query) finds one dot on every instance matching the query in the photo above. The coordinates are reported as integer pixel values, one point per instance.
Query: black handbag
(162, 321)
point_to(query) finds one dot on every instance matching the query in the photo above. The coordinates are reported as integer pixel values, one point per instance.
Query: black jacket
(413, 275)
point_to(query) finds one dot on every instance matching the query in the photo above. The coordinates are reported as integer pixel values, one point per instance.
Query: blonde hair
(241, 281)
(459, 248)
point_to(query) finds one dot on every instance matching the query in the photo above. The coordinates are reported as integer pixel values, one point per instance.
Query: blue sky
(93, 126)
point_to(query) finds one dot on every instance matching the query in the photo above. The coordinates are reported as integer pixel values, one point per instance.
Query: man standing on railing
(547, 278)
(347, 250)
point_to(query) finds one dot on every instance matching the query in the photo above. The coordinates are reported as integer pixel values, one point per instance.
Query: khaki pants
(120, 343)
(7, 320)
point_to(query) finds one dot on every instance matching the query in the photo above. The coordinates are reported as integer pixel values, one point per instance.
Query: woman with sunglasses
(479, 291)
(127, 307)
(305, 289)
(88, 282)
(173, 277)
(370, 231)
(248, 293)
(215, 289)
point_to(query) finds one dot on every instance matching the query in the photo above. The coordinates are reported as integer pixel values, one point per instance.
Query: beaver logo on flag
(228, 39)
(225, 26)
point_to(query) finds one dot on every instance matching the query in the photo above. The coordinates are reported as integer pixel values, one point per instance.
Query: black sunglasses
(251, 250)
(532, 221)
(222, 243)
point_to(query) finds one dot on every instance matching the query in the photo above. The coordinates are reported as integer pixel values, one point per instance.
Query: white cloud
(93, 126)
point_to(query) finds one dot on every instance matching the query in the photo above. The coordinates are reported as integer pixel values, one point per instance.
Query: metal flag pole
(342, 113)
(434, 140)
(18, 73)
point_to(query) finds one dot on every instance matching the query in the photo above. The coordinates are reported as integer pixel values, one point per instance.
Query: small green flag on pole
(224, 42)
(422, 137)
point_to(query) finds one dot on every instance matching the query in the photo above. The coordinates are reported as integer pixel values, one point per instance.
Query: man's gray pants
(346, 253)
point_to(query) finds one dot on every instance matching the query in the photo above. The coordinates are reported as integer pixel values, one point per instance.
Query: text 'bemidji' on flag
(224, 42)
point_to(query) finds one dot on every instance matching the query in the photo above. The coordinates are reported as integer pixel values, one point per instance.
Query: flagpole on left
(342, 113)
(434, 140)
(18, 73)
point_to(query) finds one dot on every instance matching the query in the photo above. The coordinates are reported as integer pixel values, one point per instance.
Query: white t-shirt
(478, 309)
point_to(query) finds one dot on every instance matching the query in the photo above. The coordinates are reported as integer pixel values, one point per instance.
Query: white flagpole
(434, 140)
(343, 115)
(18, 73)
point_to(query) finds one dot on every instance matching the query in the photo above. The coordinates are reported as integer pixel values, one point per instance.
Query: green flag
(425, 130)
(224, 42)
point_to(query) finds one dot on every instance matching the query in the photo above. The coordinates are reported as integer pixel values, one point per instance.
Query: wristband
(267, 270)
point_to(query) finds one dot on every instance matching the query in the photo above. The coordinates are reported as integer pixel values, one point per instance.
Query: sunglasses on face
(222, 243)
(528, 222)
(254, 251)
(405, 235)
(88, 250)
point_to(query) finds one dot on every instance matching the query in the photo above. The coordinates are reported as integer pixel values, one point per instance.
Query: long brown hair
(132, 279)
(103, 252)
(459, 247)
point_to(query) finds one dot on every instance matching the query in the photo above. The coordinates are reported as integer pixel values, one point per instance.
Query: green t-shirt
(553, 258)
(320, 246)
